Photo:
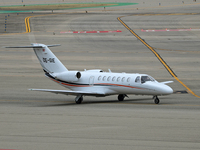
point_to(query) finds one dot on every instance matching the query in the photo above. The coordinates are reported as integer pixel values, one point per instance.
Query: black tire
(79, 101)
(156, 101)
(121, 97)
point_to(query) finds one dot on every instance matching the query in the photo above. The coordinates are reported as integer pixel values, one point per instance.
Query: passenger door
(91, 81)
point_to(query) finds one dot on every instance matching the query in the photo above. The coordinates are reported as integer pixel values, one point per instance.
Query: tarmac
(34, 120)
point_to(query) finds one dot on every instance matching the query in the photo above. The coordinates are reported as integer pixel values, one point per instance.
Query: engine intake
(78, 75)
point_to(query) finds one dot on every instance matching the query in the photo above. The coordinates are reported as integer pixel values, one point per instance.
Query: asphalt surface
(33, 120)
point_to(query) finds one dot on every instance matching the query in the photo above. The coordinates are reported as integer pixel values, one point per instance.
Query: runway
(34, 120)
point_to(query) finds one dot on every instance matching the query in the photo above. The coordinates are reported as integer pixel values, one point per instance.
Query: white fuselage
(109, 83)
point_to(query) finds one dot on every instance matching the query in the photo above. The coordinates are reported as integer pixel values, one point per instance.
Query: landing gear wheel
(121, 97)
(79, 100)
(156, 100)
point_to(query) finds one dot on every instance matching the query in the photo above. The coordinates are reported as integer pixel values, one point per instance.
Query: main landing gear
(121, 97)
(156, 100)
(79, 99)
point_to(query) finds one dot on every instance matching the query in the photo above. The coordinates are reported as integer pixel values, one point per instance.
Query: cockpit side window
(137, 80)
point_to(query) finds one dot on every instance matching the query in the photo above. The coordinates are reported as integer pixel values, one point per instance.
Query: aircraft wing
(66, 92)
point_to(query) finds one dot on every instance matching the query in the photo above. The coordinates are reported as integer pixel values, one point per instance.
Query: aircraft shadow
(127, 101)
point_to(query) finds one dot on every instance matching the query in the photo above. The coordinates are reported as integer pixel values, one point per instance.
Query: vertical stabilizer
(48, 60)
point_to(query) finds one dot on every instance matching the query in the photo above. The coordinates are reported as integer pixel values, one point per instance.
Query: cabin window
(129, 79)
(118, 79)
(123, 79)
(104, 78)
(109, 78)
(137, 80)
(113, 79)
(99, 78)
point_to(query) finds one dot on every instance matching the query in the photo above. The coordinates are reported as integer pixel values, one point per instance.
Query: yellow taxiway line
(27, 24)
(158, 56)
(27, 21)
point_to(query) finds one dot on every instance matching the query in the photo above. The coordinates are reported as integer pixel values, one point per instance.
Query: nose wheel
(156, 100)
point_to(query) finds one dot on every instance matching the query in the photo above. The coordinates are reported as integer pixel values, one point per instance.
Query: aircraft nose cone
(167, 90)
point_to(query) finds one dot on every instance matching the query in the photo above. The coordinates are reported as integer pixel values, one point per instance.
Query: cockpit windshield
(143, 79)
(146, 78)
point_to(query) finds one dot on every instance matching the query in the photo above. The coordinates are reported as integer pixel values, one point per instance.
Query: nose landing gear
(156, 100)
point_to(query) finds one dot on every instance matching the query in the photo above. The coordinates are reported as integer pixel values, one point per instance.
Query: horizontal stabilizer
(24, 47)
(54, 45)
(32, 46)
(66, 92)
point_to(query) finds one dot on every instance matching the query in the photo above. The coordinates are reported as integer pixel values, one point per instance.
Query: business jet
(95, 82)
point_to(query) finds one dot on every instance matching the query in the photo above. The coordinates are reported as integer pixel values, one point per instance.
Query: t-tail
(49, 62)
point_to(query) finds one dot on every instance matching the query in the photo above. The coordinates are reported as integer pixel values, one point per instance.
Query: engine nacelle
(70, 76)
